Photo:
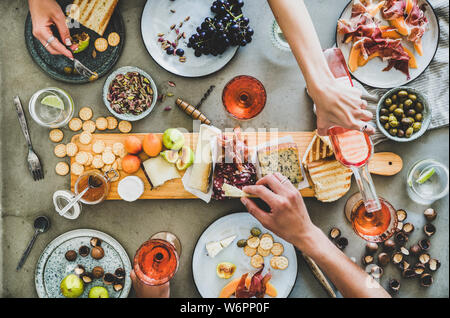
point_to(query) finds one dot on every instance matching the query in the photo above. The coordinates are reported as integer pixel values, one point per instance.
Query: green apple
(98, 292)
(173, 139)
(72, 286)
(186, 158)
(170, 155)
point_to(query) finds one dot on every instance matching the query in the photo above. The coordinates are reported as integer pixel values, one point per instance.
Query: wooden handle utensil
(319, 276)
(192, 111)
(385, 164)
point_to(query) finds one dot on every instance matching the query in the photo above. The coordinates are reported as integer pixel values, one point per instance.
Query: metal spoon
(93, 182)
(41, 225)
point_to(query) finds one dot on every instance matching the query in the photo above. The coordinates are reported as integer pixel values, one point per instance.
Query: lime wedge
(53, 101)
(425, 175)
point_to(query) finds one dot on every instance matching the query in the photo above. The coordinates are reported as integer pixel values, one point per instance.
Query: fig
(171, 156)
(98, 292)
(72, 286)
(80, 42)
(225, 270)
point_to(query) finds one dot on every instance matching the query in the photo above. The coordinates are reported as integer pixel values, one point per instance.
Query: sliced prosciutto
(257, 285)
(417, 24)
(393, 9)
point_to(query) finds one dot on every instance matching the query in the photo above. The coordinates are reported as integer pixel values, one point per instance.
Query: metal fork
(33, 161)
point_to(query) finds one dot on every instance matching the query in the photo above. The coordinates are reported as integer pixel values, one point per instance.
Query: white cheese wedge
(213, 248)
(232, 191)
(159, 171)
(227, 241)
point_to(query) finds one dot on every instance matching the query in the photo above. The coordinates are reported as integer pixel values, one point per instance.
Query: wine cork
(192, 111)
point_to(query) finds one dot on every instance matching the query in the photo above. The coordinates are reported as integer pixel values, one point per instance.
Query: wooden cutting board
(386, 165)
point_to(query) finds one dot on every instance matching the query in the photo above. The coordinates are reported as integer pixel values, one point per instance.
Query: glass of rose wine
(156, 261)
(244, 97)
(372, 218)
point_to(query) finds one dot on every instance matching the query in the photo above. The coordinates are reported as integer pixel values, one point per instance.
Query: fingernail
(68, 42)
(244, 201)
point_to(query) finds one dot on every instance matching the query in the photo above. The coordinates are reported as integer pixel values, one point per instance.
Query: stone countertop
(287, 108)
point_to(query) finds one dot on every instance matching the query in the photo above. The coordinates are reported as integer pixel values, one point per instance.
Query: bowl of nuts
(403, 114)
(130, 93)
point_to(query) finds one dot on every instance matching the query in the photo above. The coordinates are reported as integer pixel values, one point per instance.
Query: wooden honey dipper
(192, 111)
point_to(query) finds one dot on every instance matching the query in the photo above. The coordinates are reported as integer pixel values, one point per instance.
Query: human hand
(45, 13)
(145, 291)
(338, 104)
(288, 217)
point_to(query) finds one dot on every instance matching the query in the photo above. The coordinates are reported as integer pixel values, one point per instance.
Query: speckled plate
(52, 266)
(124, 70)
(54, 65)
(209, 284)
(157, 17)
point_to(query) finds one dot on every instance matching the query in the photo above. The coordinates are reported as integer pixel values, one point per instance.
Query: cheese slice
(227, 241)
(213, 248)
(232, 191)
(159, 171)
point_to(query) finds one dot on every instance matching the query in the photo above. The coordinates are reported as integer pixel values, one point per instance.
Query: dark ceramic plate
(54, 65)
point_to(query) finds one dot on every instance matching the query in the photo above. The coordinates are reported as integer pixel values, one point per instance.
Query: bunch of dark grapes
(227, 28)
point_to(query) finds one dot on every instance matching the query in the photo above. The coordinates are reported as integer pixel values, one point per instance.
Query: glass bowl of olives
(403, 114)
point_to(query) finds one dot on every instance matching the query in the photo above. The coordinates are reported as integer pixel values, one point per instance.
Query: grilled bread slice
(331, 179)
(93, 14)
(283, 159)
(319, 148)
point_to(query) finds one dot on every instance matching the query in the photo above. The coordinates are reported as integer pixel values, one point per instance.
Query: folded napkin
(433, 82)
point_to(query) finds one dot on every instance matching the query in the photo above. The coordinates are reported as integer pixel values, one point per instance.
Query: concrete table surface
(288, 108)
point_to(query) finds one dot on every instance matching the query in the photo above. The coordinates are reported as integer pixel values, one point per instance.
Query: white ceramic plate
(209, 284)
(124, 70)
(52, 265)
(157, 18)
(372, 73)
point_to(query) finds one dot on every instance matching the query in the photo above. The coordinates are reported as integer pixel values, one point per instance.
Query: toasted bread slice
(93, 14)
(331, 179)
(319, 148)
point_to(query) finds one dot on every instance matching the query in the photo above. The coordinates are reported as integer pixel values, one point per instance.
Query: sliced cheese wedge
(232, 191)
(227, 241)
(213, 248)
(159, 171)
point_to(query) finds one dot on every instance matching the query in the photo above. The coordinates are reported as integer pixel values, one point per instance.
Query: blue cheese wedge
(227, 241)
(213, 248)
(283, 159)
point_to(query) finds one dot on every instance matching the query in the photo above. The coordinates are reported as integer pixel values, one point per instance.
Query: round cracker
(112, 122)
(85, 137)
(101, 123)
(108, 157)
(262, 251)
(76, 168)
(266, 235)
(115, 177)
(71, 149)
(85, 113)
(56, 135)
(60, 150)
(249, 251)
(98, 146)
(113, 39)
(273, 262)
(89, 126)
(108, 149)
(97, 162)
(62, 168)
(90, 158)
(282, 262)
(119, 163)
(253, 242)
(75, 124)
(118, 149)
(257, 261)
(106, 168)
(266, 242)
(125, 126)
(277, 249)
(82, 158)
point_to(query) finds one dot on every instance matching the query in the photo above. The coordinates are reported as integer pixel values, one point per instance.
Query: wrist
(309, 241)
